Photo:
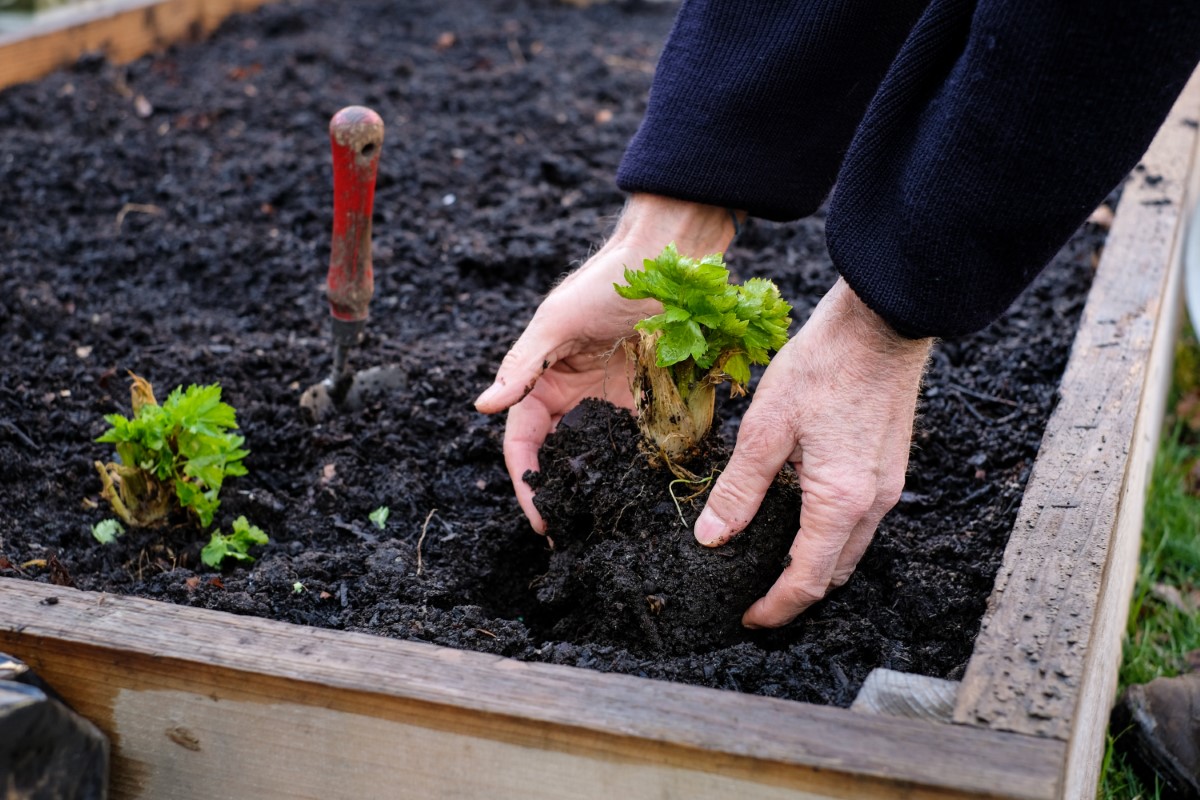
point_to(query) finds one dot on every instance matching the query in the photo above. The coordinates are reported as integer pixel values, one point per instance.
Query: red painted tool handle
(356, 137)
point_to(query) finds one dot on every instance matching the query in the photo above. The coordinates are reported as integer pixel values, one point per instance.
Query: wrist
(649, 222)
(869, 329)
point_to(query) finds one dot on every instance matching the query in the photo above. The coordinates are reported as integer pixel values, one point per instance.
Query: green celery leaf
(217, 550)
(705, 318)
(106, 531)
(247, 535)
(737, 367)
(681, 341)
(236, 545)
(380, 517)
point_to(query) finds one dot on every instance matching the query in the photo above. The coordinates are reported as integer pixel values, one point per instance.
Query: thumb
(518, 373)
(760, 453)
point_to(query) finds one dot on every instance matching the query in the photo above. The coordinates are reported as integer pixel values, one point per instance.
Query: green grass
(1159, 636)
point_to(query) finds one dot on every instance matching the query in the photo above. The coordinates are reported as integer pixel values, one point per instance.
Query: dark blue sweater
(968, 139)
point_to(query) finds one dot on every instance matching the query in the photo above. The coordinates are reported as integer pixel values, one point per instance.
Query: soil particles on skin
(172, 217)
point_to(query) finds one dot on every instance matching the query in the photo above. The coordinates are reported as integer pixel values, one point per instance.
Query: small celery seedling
(236, 545)
(380, 517)
(106, 531)
(177, 454)
(709, 332)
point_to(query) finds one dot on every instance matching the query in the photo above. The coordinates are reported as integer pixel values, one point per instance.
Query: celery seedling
(236, 545)
(380, 517)
(709, 332)
(106, 531)
(177, 454)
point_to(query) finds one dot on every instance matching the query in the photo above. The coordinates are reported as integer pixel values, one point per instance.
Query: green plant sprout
(710, 331)
(106, 531)
(380, 517)
(236, 545)
(177, 454)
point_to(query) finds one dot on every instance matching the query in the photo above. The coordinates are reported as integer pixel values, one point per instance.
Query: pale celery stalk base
(674, 426)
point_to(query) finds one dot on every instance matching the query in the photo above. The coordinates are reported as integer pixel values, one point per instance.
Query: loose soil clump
(172, 217)
(626, 570)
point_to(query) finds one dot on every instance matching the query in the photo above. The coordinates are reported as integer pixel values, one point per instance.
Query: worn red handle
(356, 137)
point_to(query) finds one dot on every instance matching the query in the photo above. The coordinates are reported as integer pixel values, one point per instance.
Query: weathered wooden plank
(1085, 752)
(1046, 658)
(123, 30)
(265, 704)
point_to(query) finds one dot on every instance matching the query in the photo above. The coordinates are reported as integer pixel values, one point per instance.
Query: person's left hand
(837, 402)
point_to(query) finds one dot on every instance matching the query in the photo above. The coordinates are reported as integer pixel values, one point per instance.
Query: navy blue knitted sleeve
(999, 127)
(754, 102)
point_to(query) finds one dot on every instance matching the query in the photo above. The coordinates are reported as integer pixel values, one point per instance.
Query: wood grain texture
(290, 699)
(1046, 658)
(1085, 751)
(123, 30)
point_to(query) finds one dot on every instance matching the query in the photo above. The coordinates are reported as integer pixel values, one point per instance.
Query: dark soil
(172, 217)
(626, 570)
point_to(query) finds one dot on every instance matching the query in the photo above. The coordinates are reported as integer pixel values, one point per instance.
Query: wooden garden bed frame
(202, 704)
(122, 29)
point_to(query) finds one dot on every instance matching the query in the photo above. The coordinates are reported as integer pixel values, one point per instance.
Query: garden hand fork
(356, 139)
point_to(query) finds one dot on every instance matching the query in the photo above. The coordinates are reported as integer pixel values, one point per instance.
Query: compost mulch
(171, 217)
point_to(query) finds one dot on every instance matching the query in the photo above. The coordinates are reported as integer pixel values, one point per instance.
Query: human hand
(571, 348)
(837, 402)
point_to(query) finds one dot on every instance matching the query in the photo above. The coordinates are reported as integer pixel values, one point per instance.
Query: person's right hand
(571, 349)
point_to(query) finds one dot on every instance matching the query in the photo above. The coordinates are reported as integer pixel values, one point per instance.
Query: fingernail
(710, 529)
(488, 395)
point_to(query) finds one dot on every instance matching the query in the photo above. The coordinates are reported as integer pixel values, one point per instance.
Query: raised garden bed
(192, 192)
(122, 29)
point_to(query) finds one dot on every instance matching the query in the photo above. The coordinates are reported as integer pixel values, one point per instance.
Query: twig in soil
(987, 398)
(421, 541)
(703, 483)
(12, 428)
(1009, 417)
(136, 208)
(974, 413)
(621, 513)
(486, 632)
(973, 496)
(962, 393)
